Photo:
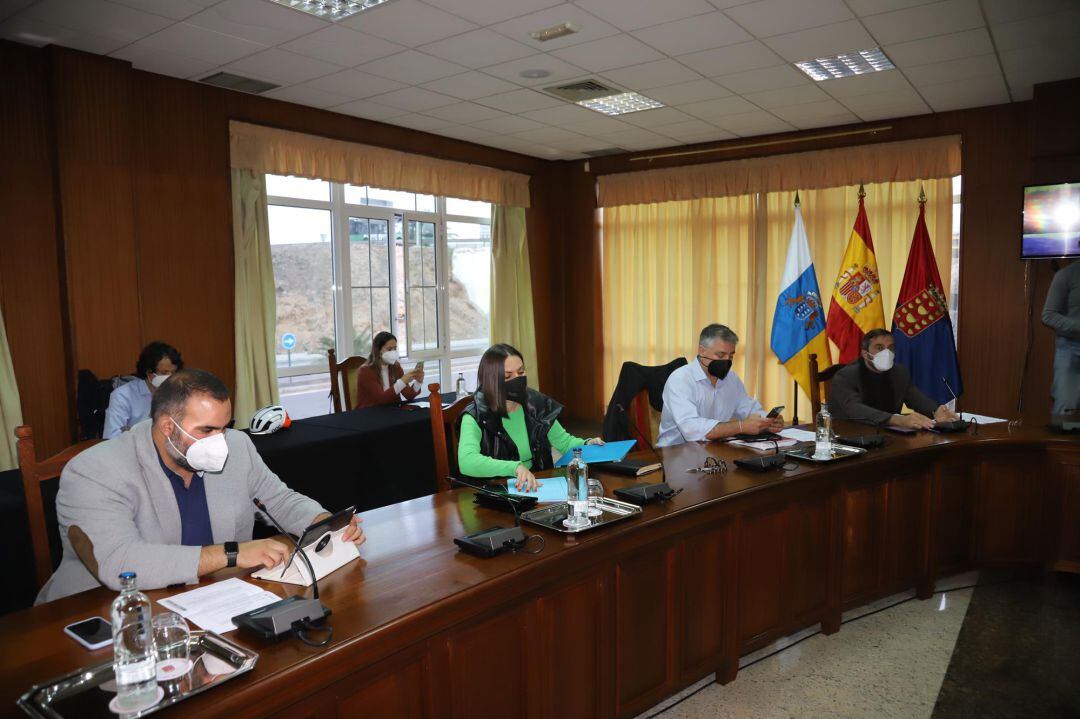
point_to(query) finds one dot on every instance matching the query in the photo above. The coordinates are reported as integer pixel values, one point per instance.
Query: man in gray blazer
(872, 389)
(171, 500)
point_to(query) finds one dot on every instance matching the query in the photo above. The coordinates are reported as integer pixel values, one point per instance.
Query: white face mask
(390, 357)
(159, 379)
(883, 360)
(204, 455)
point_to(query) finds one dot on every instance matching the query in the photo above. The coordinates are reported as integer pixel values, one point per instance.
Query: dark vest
(540, 414)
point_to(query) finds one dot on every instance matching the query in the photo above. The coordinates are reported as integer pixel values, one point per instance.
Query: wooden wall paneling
(762, 560)
(863, 513)
(703, 621)
(573, 662)
(905, 550)
(93, 133)
(644, 629)
(1064, 507)
(30, 256)
(952, 517)
(1007, 504)
(806, 590)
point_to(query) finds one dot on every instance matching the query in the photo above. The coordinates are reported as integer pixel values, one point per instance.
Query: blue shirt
(129, 404)
(693, 406)
(195, 530)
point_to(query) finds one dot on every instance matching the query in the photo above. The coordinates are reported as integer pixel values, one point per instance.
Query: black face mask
(516, 389)
(718, 368)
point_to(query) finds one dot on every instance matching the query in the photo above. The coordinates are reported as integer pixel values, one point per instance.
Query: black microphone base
(866, 441)
(491, 542)
(762, 464)
(280, 619)
(645, 493)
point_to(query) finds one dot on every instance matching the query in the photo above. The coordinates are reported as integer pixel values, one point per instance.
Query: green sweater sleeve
(474, 464)
(562, 440)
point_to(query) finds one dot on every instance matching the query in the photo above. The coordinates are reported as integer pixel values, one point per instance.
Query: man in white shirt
(705, 401)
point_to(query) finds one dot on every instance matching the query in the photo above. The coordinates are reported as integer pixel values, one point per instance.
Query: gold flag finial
(797, 198)
(862, 191)
(922, 195)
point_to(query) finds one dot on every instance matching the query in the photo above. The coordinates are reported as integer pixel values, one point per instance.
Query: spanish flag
(856, 306)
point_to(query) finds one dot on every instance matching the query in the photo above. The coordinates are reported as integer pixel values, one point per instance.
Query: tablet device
(333, 523)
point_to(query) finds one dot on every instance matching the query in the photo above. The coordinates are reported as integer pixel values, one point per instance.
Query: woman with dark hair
(509, 430)
(381, 380)
(129, 403)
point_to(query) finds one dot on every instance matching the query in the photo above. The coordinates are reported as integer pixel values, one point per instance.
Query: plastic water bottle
(823, 433)
(460, 386)
(134, 654)
(577, 491)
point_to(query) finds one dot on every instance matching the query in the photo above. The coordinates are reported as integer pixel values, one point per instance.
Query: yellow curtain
(256, 304)
(281, 152)
(10, 406)
(511, 286)
(671, 268)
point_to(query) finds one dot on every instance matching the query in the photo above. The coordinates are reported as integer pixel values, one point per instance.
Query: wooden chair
(33, 474)
(444, 423)
(343, 379)
(817, 379)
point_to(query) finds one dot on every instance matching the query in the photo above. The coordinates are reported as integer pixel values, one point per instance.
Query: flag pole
(922, 196)
(795, 408)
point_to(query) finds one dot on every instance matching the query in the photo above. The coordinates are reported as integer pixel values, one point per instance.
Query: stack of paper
(980, 418)
(769, 446)
(212, 607)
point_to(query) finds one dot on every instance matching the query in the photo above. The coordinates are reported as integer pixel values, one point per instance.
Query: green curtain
(256, 305)
(511, 286)
(10, 407)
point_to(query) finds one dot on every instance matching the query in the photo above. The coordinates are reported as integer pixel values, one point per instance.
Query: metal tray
(84, 693)
(552, 516)
(839, 451)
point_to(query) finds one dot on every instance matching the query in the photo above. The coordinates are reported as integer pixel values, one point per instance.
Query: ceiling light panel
(621, 104)
(332, 10)
(846, 64)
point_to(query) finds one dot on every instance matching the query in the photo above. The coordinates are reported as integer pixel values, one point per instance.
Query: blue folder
(593, 453)
(551, 489)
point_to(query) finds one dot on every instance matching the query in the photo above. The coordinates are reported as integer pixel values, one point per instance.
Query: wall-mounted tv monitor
(1051, 221)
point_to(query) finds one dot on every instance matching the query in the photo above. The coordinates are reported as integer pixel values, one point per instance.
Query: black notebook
(632, 467)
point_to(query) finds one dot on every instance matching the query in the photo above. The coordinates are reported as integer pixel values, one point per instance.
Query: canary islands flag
(799, 322)
(921, 324)
(856, 306)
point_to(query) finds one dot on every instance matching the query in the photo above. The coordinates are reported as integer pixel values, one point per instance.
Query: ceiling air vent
(583, 90)
(237, 82)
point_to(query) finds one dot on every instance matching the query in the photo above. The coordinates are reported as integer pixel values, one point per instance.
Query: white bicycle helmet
(269, 420)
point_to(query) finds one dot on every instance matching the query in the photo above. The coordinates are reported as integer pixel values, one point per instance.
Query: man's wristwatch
(231, 550)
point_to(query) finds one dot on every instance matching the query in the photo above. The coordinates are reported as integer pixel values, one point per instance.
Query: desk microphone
(496, 540)
(645, 492)
(951, 393)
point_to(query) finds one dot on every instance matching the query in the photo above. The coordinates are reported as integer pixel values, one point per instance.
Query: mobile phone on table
(775, 412)
(92, 633)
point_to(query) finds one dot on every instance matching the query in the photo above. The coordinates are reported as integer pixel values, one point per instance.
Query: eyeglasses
(712, 466)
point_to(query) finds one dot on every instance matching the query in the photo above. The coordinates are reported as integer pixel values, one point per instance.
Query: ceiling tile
(684, 92)
(776, 17)
(424, 123)
(692, 130)
(470, 85)
(582, 144)
(883, 105)
(163, 62)
(281, 66)
(731, 59)
(710, 109)
(415, 99)
(184, 39)
(657, 118)
(558, 70)
(634, 14)
(938, 49)
(1054, 29)
(547, 134)
(10, 7)
(660, 73)
(307, 95)
(592, 27)
(478, 48)
(1042, 63)
(519, 101)
(874, 7)
(871, 83)
(485, 12)
(758, 122)
(464, 112)
(257, 20)
(562, 115)
(465, 132)
(342, 46)
(174, 9)
(766, 78)
(637, 139)
(950, 70)
(822, 41)
(915, 23)
(968, 92)
(368, 110)
(507, 124)
(117, 24)
(998, 11)
(815, 114)
(786, 96)
(693, 34)
(408, 22)
(355, 84)
(411, 67)
(608, 53)
(597, 125)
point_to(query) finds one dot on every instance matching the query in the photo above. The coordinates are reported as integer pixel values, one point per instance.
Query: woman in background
(381, 380)
(129, 403)
(509, 430)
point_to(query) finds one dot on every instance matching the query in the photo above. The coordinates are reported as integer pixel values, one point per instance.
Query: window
(351, 261)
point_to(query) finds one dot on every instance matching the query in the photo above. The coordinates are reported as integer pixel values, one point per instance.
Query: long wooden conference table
(610, 622)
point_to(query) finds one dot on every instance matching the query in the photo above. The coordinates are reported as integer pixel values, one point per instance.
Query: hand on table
(912, 421)
(595, 441)
(944, 414)
(524, 479)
